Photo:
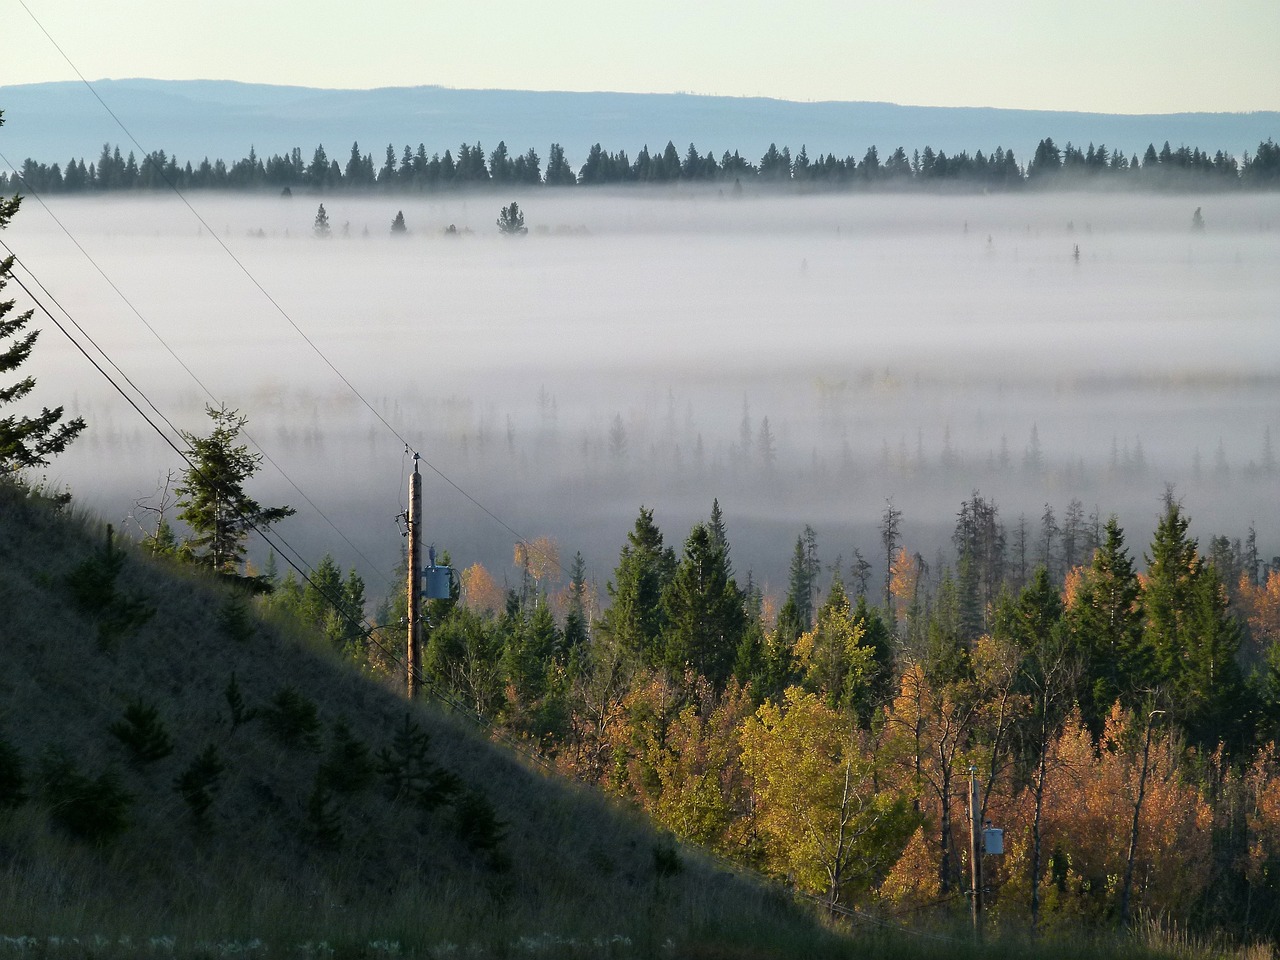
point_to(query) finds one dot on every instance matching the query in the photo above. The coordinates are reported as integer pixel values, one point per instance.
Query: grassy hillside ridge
(270, 860)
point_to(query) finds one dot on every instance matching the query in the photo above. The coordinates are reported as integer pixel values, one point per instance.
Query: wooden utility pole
(415, 564)
(975, 850)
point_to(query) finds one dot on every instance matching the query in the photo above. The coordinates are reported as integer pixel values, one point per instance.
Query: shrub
(235, 621)
(477, 825)
(93, 589)
(143, 733)
(88, 808)
(198, 783)
(324, 818)
(293, 719)
(348, 768)
(235, 700)
(409, 774)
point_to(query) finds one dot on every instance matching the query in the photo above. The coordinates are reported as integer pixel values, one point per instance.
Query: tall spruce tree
(24, 441)
(1190, 632)
(1105, 631)
(704, 610)
(212, 496)
(635, 618)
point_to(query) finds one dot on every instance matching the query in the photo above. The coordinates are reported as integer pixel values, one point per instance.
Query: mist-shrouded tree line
(410, 170)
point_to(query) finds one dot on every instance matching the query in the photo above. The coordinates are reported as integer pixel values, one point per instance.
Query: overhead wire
(284, 550)
(172, 353)
(148, 158)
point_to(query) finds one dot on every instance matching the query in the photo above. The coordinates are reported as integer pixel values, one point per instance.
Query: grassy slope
(581, 868)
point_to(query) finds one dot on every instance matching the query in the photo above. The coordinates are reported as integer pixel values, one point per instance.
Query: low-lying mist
(802, 358)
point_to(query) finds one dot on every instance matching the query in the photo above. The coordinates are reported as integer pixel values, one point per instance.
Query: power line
(147, 157)
(155, 333)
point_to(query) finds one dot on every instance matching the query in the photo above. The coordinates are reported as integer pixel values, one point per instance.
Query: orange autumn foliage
(1261, 606)
(1089, 816)
(480, 592)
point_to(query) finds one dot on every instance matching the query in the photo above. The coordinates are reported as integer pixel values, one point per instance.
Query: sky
(1131, 56)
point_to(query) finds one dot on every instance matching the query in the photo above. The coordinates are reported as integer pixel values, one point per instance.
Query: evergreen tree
(635, 618)
(24, 441)
(511, 221)
(1190, 632)
(803, 578)
(704, 611)
(559, 173)
(321, 226)
(1104, 627)
(574, 635)
(212, 496)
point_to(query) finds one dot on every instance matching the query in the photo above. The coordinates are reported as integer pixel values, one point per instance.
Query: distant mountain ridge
(193, 119)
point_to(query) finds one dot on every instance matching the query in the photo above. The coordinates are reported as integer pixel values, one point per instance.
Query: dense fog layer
(630, 349)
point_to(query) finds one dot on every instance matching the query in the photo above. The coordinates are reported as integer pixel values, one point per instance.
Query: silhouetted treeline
(413, 170)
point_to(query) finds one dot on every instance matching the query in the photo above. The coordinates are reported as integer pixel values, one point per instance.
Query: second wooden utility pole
(975, 850)
(415, 589)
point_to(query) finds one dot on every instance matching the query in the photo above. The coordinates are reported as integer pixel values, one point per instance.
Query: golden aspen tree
(818, 808)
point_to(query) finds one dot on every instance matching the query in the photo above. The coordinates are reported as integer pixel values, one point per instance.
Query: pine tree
(635, 618)
(321, 226)
(511, 221)
(704, 610)
(212, 497)
(24, 441)
(1104, 626)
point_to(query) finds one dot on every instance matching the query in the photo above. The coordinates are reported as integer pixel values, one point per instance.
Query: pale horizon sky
(1132, 56)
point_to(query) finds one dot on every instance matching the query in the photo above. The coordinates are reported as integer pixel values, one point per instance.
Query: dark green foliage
(704, 611)
(398, 225)
(478, 826)
(1192, 635)
(143, 733)
(328, 604)
(13, 781)
(875, 635)
(93, 590)
(410, 776)
(531, 644)
(93, 809)
(464, 653)
(235, 620)
(200, 781)
(93, 582)
(803, 577)
(235, 701)
(1050, 166)
(1104, 629)
(324, 817)
(292, 719)
(348, 766)
(635, 618)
